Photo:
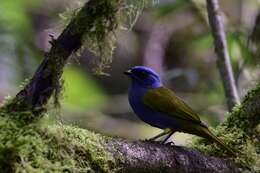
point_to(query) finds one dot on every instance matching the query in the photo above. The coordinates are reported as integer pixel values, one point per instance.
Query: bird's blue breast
(145, 113)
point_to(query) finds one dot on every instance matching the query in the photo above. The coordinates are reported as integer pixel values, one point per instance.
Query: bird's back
(145, 113)
(164, 100)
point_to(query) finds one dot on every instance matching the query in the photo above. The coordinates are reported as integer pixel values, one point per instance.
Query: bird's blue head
(144, 77)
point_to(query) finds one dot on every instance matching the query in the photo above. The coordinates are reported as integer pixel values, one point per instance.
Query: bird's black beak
(128, 72)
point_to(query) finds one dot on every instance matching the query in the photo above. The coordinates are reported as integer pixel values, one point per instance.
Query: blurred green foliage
(17, 38)
(168, 8)
(201, 42)
(80, 91)
(238, 48)
(14, 15)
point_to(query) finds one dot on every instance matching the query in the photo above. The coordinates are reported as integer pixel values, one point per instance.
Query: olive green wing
(164, 100)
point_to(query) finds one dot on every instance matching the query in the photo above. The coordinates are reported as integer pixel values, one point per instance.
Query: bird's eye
(142, 74)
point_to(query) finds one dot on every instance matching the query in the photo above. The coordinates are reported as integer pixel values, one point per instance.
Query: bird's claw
(170, 143)
(151, 141)
(159, 142)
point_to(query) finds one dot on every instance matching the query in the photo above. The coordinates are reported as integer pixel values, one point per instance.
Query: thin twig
(223, 59)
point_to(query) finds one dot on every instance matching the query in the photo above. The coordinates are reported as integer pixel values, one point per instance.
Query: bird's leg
(165, 131)
(167, 137)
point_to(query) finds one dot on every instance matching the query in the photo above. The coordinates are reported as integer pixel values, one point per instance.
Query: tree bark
(223, 59)
(156, 158)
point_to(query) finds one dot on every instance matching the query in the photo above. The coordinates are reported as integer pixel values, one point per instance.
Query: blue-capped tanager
(160, 107)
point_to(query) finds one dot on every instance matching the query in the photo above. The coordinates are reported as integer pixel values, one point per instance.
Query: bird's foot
(167, 143)
(159, 142)
(170, 143)
(152, 141)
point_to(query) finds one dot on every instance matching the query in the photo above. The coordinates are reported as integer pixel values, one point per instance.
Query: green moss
(42, 146)
(48, 147)
(239, 131)
(21, 112)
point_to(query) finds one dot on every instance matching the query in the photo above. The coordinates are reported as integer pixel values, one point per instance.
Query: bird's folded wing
(164, 100)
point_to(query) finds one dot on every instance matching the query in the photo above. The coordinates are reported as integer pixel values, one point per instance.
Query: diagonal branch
(223, 59)
(46, 79)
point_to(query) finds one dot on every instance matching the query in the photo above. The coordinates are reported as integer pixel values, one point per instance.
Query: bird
(160, 107)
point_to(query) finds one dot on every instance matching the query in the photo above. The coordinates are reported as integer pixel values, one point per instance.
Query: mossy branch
(46, 80)
(92, 26)
(56, 148)
(42, 146)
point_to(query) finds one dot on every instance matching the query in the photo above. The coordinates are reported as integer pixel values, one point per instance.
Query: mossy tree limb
(40, 146)
(46, 80)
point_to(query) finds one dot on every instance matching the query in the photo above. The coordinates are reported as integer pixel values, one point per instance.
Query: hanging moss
(110, 16)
